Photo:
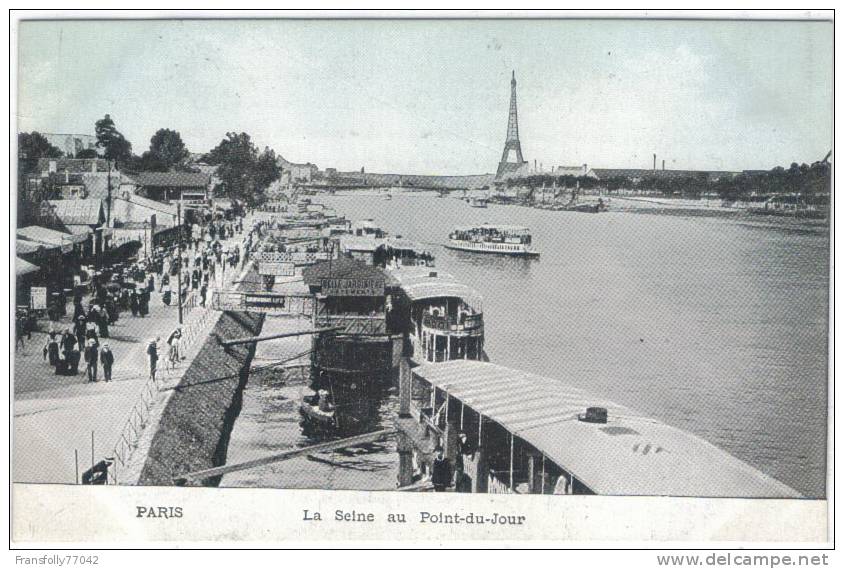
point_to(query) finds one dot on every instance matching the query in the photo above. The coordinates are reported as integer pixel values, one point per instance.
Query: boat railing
(355, 324)
(498, 482)
(453, 323)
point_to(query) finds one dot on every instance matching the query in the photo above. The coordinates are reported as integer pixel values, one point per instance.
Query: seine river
(714, 324)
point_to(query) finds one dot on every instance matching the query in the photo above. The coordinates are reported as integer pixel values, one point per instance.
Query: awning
(24, 267)
(631, 454)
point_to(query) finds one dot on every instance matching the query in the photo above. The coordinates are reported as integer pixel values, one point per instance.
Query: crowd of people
(101, 297)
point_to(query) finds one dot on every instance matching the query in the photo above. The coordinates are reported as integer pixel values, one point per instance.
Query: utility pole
(179, 278)
(108, 199)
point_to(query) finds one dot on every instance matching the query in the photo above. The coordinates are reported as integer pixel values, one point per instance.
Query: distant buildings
(292, 173)
(73, 144)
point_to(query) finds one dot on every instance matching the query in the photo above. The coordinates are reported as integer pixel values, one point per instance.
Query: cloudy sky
(431, 97)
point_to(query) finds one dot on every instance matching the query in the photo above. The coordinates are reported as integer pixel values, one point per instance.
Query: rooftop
(417, 283)
(630, 455)
(342, 268)
(172, 179)
(78, 212)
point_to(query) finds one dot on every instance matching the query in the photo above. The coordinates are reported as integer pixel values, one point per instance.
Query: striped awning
(631, 454)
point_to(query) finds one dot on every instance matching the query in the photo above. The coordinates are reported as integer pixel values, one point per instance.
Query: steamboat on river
(386, 321)
(512, 240)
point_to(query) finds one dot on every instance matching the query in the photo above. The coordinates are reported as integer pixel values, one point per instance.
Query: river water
(712, 323)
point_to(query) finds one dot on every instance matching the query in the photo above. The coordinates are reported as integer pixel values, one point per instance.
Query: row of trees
(807, 181)
(245, 172)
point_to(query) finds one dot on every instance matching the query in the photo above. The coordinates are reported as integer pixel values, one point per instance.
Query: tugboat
(511, 240)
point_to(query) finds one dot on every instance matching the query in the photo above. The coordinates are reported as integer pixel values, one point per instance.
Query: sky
(432, 97)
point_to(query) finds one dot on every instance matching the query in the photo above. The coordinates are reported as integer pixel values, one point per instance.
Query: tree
(116, 147)
(88, 153)
(167, 150)
(244, 172)
(32, 146)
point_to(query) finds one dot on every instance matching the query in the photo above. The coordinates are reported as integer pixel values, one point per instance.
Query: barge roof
(631, 454)
(417, 283)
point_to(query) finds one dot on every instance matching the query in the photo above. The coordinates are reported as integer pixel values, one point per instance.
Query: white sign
(277, 269)
(296, 257)
(38, 297)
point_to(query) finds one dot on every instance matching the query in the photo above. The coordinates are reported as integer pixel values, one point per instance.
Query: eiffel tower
(510, 163)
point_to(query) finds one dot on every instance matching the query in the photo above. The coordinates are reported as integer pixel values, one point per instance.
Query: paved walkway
(55, 416)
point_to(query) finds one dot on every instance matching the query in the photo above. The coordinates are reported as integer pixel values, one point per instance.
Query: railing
(140, 414)
(453, 323)
(498, 482)
(366, 325)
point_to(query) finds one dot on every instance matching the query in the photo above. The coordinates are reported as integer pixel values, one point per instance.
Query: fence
(167, 370)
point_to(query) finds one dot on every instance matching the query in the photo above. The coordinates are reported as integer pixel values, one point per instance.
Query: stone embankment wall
(196, 424)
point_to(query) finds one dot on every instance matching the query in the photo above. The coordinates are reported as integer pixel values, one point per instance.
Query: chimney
(654, 162)
(663, 165)
(585, 169)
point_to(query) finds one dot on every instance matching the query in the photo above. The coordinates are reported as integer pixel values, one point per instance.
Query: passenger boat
(442, 317)
(511, 240)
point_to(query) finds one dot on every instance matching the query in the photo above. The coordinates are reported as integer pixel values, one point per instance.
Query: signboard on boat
(352, 287)
(277, 269)
(264, 301)
(296, 257)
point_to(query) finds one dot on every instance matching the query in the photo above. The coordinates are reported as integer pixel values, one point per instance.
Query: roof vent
(432, 274)
(594, 415)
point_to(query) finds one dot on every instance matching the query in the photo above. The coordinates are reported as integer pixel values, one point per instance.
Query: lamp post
(179, 278)
(146, 238)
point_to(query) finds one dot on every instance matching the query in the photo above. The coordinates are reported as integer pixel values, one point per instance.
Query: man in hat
(440, 472)
(107, 357)
(92, 356)
(152, 357)
(79, 330)
(175, 343)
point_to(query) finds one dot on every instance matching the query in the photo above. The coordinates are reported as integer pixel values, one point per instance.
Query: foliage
(32, 146)
(87, 153)
(166, 152)
(116, 147)
(245, 173)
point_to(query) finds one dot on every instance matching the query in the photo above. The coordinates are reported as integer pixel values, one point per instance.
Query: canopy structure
(24, 267)
(507, 229)
(421, 283)
(630, 454)
(38, 234)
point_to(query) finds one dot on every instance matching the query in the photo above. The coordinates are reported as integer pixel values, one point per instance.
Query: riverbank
(193, 431)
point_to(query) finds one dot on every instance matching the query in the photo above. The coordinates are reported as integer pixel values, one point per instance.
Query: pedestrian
(79, 330)
(175, 343)
(73, 361)
(107, 357)
(143, 303)
(51, 351)
(203, 292)
(152, 357)
(91, 334)
(91, 358)
(462, 481)
(134, 303)
(440, 472)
